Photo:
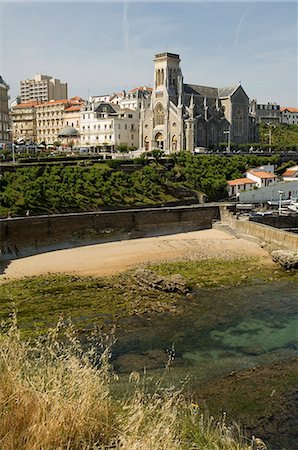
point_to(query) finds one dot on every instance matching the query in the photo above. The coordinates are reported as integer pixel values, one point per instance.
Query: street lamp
(280, 197)
(228, 132)
(12, 145)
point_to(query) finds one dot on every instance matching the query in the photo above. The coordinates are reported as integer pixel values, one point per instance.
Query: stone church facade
(185, 116)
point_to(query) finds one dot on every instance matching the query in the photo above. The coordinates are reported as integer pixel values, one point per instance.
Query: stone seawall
(270, 235)
(29, 235)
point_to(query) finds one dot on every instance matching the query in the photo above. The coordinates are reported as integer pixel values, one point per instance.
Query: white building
(291, 174)
(289, 115)
(255, 178)
(261, 177)
(239, 185)
(283, 190)
(100, 98)
(105, 126)
(137, 98)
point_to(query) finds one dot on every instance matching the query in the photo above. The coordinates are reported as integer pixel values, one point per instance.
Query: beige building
(42, 88)
(185, 116)
(72, 113)
(51, 117)
(24, 122)
(5, 136)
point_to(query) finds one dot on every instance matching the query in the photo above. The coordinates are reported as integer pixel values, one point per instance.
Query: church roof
(203, 91)
(227, 91)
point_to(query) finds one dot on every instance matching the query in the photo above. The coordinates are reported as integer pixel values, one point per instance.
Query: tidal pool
(219, 331)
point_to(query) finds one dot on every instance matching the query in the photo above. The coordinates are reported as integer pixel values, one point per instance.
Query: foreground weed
(55, 394)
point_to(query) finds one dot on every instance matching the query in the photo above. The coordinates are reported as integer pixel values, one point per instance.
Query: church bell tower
(167, 77)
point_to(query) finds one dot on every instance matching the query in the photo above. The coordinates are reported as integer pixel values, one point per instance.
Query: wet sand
(115, 257)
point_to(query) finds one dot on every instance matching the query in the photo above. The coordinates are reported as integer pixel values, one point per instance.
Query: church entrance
(159, 141)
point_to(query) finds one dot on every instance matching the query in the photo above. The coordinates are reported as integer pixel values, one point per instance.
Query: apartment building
(42, 88)
(4, 114)
(106, 125)
(51, 116)
(24, 122)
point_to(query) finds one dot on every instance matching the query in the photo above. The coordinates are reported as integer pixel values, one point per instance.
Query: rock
(152, 359)
(252, 350)
(147, 278)
(286, 258)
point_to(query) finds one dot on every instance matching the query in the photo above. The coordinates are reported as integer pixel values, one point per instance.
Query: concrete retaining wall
(285, 222)
(270, 235)
(29, 235)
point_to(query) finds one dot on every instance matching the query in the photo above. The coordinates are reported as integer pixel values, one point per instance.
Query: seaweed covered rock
(286, 258)
(147, 278)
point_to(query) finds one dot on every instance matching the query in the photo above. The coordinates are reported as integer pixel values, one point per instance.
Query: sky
(103, 47)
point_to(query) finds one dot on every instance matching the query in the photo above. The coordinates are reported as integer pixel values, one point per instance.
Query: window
(130, 116)
(125, 126)
(132, 137)
(132, 126)
(159, 116)
(239, 123)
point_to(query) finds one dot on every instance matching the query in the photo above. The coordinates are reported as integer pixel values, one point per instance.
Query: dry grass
(54, 395)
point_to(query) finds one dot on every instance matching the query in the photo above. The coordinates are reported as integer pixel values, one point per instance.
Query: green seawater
(219, 331)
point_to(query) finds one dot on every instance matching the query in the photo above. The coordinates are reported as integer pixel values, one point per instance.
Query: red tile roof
(73, 108)
(262, 174)
(290, 172)
(141, 88)
(53, 102)
(241, 181)
(292, 110)
(26, 105)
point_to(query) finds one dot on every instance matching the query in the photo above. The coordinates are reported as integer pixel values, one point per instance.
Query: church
(187, 116)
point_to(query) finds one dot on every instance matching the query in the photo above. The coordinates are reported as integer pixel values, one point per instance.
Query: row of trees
(58, 188)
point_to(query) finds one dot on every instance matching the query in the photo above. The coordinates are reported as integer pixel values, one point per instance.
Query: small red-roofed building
(240, 184)
(291, 174)
(261, 177)
(289, 115)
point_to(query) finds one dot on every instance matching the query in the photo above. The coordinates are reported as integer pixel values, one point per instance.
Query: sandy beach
(115, 257)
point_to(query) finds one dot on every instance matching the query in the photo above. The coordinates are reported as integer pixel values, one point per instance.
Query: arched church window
(212, 134)
(170, 77)
(239, 122)
(159, 115)
(174, 77)
(146, 143)
(174, 143)
(200, 131)
(162, 77)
